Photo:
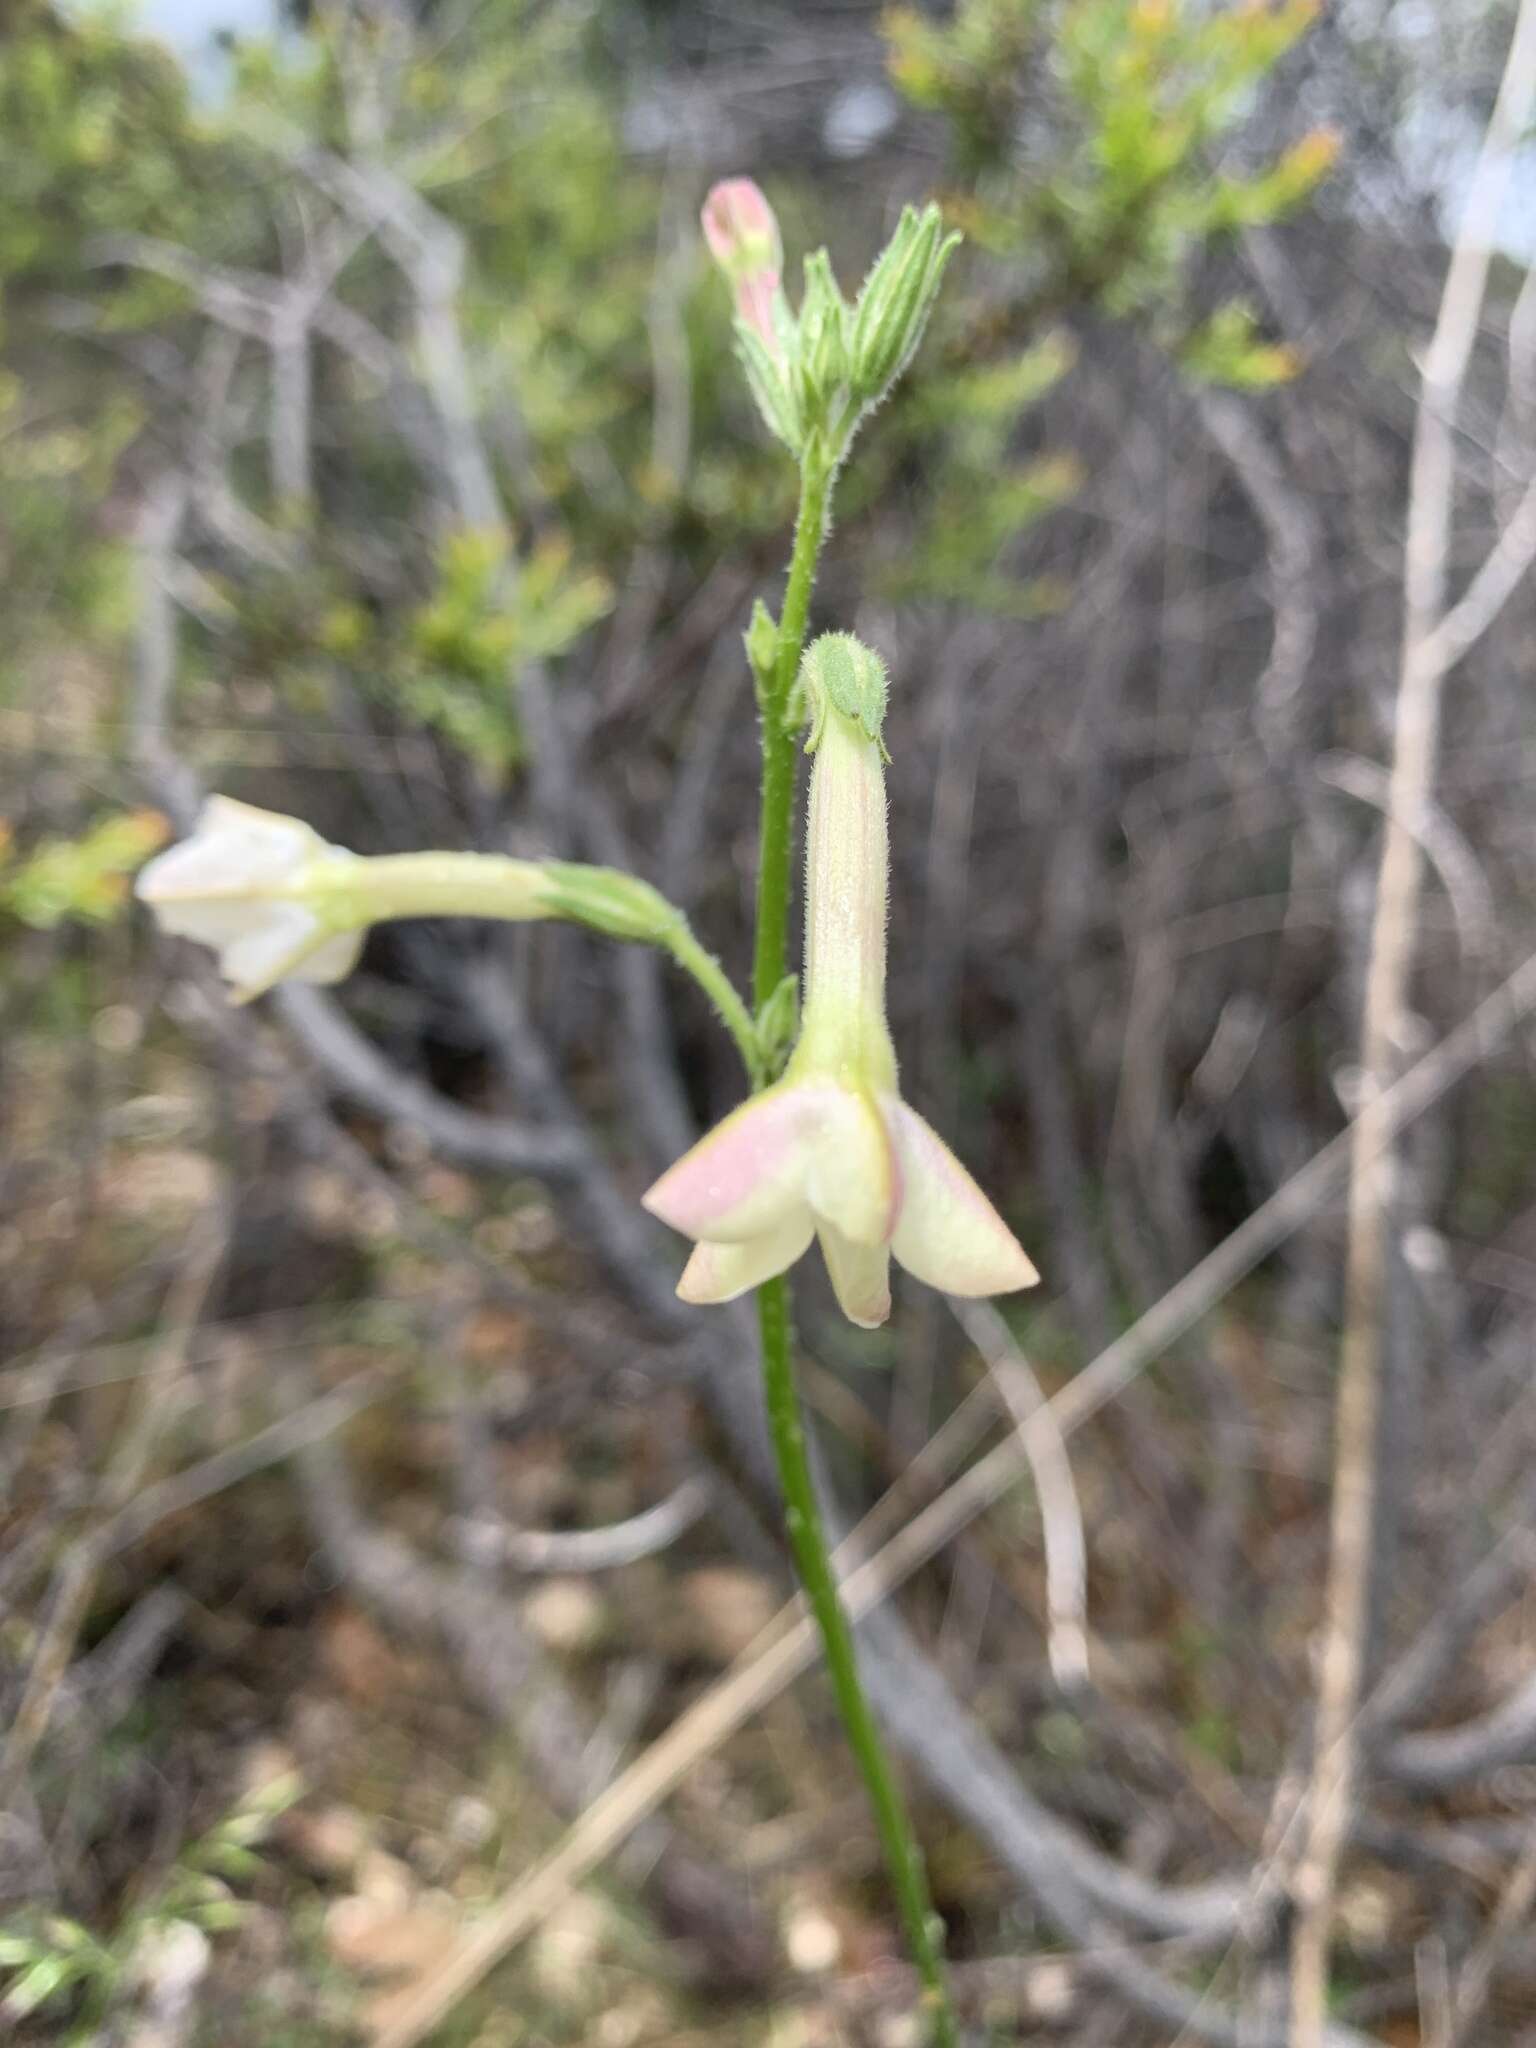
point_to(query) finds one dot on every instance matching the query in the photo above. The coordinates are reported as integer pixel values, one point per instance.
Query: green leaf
(1230, 349)
(37, 1985)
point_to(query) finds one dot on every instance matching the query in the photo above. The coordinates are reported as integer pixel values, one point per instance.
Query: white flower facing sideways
(277, 902)
(831, 1150)
(238, 884)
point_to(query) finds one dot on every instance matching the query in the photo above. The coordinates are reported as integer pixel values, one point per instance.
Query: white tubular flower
(278, 903)
(239, 885)
(831, 1150)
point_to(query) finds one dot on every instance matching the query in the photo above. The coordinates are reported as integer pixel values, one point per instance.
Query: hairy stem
(776, 824)
(706, 970)
(808, 1540)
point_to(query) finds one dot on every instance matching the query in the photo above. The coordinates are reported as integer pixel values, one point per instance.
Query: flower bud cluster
(815, 373)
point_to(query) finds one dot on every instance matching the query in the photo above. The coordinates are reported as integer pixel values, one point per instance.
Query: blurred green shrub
(1084, 142)
(1089, 145)
(478, 630)
(84, 879)
(1085, 134)
(56, 1965)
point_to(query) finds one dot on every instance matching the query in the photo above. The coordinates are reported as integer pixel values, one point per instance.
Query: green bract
(778, 1023)
(762, 644)
(897, 298)
(841, 674)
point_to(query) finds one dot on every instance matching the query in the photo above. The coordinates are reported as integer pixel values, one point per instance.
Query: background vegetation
(371, 448)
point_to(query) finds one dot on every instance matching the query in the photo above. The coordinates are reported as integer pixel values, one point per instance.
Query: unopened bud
(821, 355)
(762, 641)
(743, 237)
(897, 298)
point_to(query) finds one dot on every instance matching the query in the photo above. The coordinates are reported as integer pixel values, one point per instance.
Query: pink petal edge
(742, 1177)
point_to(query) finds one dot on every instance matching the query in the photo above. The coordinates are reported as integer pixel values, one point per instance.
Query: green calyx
(840, 674)
(821, 351)
(609, 901)
(778, 1024)
(771, 388)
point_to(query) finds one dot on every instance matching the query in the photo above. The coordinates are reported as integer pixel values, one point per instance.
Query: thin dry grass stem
(589, 1550)
(1426, 656)
(273, 1445)
(75, 1579)
(1432, 1979)
(1513, 1911)
(1040, 1439)
(1442, 843)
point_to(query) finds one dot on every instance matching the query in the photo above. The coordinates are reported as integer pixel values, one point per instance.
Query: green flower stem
(808, 1540)
(776, 824)
(358, 891)
(706, 970)
(807, 1535)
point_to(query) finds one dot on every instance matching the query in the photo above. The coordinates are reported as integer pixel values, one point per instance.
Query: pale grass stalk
(1061, 1515)
(1425, 659)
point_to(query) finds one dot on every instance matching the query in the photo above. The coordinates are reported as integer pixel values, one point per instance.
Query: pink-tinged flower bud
(831, 1150)
(743, 237)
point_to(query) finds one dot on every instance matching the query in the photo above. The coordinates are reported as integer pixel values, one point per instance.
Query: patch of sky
(191, 28)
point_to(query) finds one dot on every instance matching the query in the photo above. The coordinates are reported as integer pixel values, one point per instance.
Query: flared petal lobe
(720, 1272)
(273, 945)
(852, 1180)
(749, 1172)
(947, 1233)
(860, 1276)
(331, 961)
